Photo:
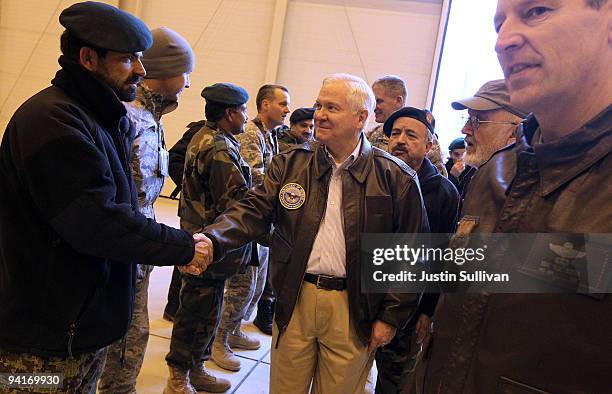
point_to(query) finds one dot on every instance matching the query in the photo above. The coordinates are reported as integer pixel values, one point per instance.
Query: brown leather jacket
(380, 195)
(522, 343)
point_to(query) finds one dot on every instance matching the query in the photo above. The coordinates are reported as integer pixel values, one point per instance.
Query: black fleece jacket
(70, 230)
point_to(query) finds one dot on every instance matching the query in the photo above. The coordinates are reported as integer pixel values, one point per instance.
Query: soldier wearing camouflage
(377, 138)
(258, 144)
(148, 169)
(391, 94)
(156, 95)
(215, 177)
(256, 147)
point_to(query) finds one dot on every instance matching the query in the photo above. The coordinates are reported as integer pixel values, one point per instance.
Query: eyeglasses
(475, 122)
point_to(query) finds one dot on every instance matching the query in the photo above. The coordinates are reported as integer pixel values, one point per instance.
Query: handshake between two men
(202, 257)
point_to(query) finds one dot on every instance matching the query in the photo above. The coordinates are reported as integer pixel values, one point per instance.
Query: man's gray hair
(393, 86)
(360, 95)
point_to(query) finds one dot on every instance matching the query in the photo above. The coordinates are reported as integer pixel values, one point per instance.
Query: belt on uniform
(326, 282)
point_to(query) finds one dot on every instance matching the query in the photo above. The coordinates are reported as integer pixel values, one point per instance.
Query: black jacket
(177, 153)
(70, 229)
(380, 195)
(441, 199)
(441, 203)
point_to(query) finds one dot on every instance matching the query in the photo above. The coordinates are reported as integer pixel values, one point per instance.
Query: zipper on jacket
(123, 345)
(71, 332)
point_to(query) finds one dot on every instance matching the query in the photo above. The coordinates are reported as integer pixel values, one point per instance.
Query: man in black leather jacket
(321, 198)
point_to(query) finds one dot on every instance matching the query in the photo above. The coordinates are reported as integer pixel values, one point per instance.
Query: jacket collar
(90, 92)
(215, 127)
(153, 102)
(359, 168)
(562, 160)
(427, 171)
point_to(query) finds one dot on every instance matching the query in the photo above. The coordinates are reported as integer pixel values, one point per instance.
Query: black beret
(407, 112)
(106, 27)
(301, 114)
(225, 93)
(458, 143)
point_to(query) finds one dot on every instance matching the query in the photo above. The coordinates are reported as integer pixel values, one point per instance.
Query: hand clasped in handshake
(202, 257)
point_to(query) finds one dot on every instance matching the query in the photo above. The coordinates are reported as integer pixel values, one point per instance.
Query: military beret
(408, 112)
(106, 27)
(301, 114)
(458, 143)
(225, 93)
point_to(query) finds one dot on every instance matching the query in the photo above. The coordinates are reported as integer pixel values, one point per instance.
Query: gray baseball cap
(492, 95)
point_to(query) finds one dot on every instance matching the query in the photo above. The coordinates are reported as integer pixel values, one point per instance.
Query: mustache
(135, 79)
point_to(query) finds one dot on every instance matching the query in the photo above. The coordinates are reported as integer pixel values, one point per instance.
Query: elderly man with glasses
(489, 125)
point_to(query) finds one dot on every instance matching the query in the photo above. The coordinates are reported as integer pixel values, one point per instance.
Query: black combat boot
(264, 318)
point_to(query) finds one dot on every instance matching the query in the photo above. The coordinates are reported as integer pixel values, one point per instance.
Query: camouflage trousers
(260, 277)
(79, 374)
(117, 376)
(393, 363)
(242, 290)
(195, 321)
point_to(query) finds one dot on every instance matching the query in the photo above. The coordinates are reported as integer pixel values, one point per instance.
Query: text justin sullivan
(445, 276)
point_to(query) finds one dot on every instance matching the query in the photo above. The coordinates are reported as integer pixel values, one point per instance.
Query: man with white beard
(489, 126)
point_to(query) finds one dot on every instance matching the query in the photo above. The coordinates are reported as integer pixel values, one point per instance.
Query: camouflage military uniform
(377, 137)
(215, 177)
(285, 139)
(79, 374)
(243, 290)
(435, 156)
(149, 166)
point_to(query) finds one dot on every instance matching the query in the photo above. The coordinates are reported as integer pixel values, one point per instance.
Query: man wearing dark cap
(410, 139)
(557, 61)
(168, 62)
(455, 164)
(70, 230)
(258, 144)
(489, 126)
(215, 177)
(301, 129)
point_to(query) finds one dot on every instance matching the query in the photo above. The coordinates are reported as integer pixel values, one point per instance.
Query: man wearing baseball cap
(301, 129)
(489, 126)
(168, 63)
(70, 229)
(410, 134)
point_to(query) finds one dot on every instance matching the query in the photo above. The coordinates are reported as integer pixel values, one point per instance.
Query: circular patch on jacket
(292, 196)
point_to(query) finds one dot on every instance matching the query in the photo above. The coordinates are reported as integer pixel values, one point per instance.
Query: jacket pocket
(379, 214)
(510, 386)
(280, 254)
(379, 205)
(280, 248)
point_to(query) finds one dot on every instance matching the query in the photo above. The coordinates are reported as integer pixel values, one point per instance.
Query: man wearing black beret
(216, 176)
(301, 129)
(410, 132)
(70, 230)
